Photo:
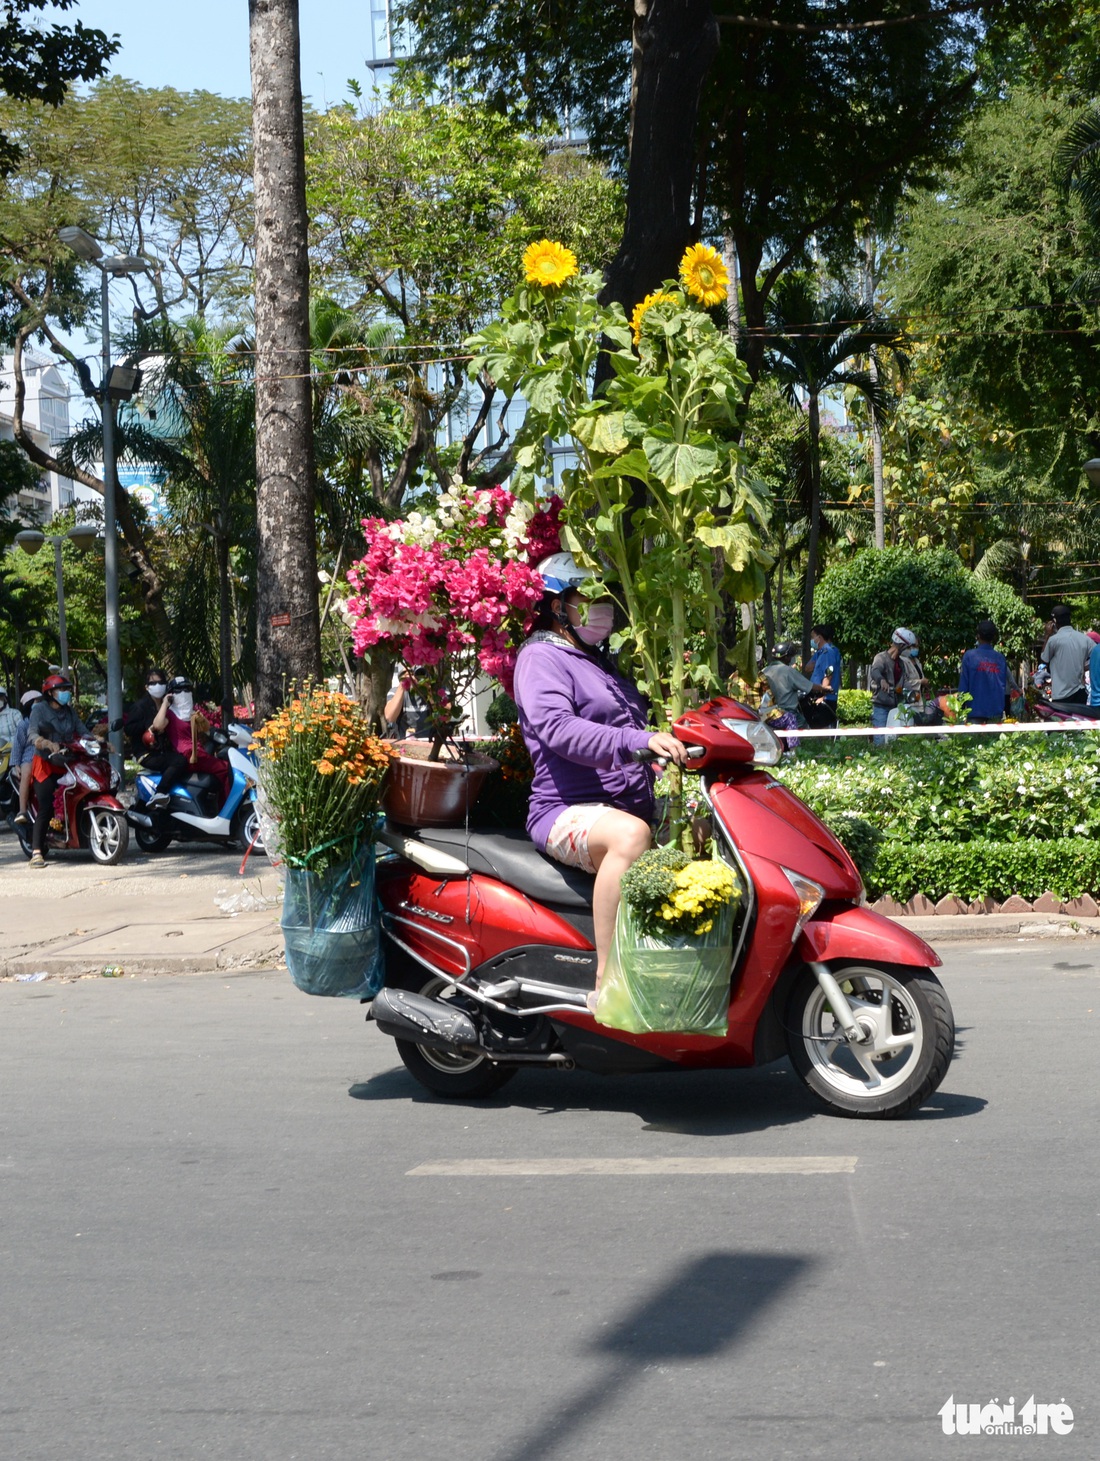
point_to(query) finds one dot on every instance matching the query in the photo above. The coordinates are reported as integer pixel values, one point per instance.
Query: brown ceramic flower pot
(423, 793)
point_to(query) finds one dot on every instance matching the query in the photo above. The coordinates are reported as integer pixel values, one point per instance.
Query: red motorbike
(87, 814)
(490, 952)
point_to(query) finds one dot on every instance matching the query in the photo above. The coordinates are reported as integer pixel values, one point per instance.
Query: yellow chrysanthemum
(657, 297)
(704, 274)
(548, 263)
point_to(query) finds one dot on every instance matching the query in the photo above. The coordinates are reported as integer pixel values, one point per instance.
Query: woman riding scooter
(176, 720)
(53, 725)
(591, 804)
(151, 747)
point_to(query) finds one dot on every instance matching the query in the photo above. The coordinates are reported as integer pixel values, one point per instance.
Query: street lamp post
(81, 536)
(88, 248)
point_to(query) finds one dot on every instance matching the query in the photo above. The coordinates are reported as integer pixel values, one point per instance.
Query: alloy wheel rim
(892, 1054)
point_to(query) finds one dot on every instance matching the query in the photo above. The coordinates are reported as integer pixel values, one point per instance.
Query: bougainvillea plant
(451, 593)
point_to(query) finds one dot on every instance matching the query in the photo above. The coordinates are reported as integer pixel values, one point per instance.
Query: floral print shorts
(568, 839)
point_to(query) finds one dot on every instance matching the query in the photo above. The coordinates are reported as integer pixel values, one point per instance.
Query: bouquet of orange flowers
(321, 773)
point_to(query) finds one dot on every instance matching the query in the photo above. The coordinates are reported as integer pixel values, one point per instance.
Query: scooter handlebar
(646, 757)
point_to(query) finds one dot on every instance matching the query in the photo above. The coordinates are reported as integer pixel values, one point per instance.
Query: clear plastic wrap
(332, 931)
(678, 983)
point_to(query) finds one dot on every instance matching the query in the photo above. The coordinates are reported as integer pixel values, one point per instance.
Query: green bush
(502, 712)
(982, 868)
(1006, 789)
(853, 707)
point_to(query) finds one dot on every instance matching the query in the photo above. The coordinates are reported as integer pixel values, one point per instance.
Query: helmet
(178, 684)
(30, 696)
(561, 572)
(787, 649)
(905, 637)
(56, 682)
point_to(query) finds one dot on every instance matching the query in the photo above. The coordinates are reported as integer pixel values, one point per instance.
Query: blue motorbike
(195, 809)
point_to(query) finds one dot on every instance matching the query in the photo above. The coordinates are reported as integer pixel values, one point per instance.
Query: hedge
(980, 869)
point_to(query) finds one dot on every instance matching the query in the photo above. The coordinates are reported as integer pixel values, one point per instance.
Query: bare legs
(616, 840)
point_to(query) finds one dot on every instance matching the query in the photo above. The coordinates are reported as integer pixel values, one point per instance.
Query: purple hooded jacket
(581, 723)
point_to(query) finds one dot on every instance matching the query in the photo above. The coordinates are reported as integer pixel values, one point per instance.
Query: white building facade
(46, 418)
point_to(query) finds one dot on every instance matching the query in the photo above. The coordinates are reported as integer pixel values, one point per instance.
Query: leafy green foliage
(986, 869)
(931, 593)
(854, 707)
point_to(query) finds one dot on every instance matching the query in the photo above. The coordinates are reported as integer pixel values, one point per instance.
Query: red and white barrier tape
(863, 731)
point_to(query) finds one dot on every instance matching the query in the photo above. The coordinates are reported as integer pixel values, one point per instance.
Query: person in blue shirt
(1094, 668)
(825, 663)
(984, 676)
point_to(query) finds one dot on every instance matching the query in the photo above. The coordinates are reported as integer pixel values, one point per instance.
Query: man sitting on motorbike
(152, 747)
(53, 725)
(176, 720)
(9, 719)
(591, 804)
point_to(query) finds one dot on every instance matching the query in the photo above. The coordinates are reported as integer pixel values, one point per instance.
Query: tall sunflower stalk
(658, 504)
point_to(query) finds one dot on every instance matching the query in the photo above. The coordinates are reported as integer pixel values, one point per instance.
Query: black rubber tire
(480, 1079)
(242, 838)
(150, 841)
(930, 999)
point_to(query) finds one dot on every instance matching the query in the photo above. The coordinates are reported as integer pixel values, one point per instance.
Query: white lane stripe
(634, 1167)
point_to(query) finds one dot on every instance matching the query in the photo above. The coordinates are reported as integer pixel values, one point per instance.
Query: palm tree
(813, 344)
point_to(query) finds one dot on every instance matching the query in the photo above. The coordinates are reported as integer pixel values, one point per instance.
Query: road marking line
(635, 1167)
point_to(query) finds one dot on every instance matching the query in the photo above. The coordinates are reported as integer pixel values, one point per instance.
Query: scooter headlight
(85, 778)
(811, 895)
(767, 750)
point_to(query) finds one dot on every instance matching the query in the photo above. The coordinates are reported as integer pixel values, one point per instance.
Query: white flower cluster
(453, 510)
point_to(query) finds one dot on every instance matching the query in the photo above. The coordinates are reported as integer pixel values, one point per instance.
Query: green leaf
(678, 465)
(601, 431)
(632, 463)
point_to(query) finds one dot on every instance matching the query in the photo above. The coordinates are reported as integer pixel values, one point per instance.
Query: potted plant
(449, 592)
(320, 776)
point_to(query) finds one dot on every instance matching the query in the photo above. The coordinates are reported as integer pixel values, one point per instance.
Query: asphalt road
(211, 1245)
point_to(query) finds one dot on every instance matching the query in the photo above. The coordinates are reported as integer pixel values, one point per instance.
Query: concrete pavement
(184, 911)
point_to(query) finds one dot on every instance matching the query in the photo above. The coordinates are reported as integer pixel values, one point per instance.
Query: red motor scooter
(490, 952)
(87, 814)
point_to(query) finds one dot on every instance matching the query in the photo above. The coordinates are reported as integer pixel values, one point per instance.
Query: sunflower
(548, 263)
(704, 274)
(657, 297)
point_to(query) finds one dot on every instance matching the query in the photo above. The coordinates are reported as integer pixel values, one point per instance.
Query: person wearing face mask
(896, 677)
(178, 722)
(9, 719)
(151, 747)
(591, 804)
(54, 724)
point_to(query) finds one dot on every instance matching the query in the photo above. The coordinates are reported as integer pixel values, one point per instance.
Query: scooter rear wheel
(912, 1039)
(150, 841)
(456, 1076)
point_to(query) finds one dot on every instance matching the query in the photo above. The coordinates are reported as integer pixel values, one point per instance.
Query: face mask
(157, 691)
(913, 653)
(64, 696)
(601, 620)
(183, 705)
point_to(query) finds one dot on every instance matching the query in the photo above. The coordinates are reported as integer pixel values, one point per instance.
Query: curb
(988, 927)
(79, 966)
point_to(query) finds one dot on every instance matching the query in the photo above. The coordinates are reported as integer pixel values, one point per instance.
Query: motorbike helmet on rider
(58, 688)
(561, 574)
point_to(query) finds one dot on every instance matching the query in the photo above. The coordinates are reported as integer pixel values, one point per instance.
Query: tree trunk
(873, 372)
(225, 627)
(288, 625)
(675, 43)
(814, 419)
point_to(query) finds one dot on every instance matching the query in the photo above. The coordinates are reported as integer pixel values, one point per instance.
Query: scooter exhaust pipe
(138, 819)
(407, 1016)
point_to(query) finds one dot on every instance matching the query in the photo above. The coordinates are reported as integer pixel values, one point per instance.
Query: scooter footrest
(408, 1016)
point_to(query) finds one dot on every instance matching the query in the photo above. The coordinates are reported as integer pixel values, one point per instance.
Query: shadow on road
(708, 1305)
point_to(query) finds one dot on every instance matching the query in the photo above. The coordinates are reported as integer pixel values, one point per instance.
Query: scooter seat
(201, 781)
(514, 859)
(1071, 707)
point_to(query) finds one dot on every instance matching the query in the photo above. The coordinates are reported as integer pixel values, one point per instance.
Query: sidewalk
(143, 917)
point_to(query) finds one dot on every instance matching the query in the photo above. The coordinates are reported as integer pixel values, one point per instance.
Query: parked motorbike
(197, 809)
(1070, 710)
(87, 813)
(490, 952)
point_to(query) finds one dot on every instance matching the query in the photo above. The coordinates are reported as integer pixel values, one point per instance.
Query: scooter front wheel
(442, 1072)
(108, 835)
(910, 1031)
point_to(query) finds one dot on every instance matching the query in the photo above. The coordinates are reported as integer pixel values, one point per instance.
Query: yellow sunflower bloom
(657, 297)
(704, 274)
(548, 264)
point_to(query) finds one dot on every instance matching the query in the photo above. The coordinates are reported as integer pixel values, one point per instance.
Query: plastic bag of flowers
(670, 960)
(321, 774)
